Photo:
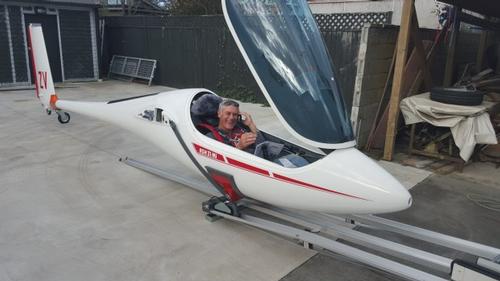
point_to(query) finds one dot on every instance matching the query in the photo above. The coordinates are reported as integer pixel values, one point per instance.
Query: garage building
(70, 30)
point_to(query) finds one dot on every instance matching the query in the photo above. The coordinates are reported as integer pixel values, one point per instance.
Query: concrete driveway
(69, 210)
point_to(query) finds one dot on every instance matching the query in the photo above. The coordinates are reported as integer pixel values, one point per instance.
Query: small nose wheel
(63, 118)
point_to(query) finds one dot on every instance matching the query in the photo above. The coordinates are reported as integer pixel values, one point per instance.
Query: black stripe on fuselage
(132, 98)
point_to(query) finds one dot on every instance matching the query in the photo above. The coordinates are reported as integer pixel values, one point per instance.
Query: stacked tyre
(459, 96)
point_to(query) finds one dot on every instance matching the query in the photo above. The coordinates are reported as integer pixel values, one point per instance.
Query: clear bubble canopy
(285, 51)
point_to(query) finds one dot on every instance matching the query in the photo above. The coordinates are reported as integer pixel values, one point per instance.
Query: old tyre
(460, 96)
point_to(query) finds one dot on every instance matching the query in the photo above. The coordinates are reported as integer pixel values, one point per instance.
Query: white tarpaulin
(469, 124)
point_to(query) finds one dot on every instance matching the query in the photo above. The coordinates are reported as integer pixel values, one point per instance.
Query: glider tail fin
(44, 84)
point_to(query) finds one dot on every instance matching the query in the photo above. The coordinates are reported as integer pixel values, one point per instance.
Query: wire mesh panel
(131, 68)
(350, 21)
(117, 64)
(144, 69)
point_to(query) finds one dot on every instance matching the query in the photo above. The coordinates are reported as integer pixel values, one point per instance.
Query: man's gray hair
(228, 102)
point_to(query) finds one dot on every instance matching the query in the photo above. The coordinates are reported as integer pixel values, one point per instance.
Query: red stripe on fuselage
(259, 171)
(247, 167)
(305, 184)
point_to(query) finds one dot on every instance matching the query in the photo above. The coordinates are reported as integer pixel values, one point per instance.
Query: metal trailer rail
(322, 232)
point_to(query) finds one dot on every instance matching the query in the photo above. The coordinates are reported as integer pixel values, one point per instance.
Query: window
(114, 2)
(159, 115)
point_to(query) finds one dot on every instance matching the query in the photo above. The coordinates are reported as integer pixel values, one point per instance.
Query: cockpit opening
(204, 108)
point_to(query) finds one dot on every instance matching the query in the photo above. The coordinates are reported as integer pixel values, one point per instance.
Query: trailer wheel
(459, 96)
(234, 209)
(222, 205)
(65, 119)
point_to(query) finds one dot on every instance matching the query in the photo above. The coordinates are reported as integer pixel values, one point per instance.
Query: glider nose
(382, 192)
(397, 198)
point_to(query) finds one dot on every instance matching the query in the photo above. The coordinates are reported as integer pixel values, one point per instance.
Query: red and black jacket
(231, 139)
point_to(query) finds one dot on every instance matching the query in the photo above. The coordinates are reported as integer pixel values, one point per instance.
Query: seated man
(230, 132)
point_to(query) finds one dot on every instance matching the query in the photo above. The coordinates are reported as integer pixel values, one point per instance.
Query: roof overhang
(484, 7)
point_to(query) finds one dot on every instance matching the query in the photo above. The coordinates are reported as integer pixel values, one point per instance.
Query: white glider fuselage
(283, 48)
(344, 181)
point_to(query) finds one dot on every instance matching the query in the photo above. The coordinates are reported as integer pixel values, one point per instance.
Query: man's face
(228, 116)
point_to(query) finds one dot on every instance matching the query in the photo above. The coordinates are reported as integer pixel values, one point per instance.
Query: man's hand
(249, 122)
(246, 140)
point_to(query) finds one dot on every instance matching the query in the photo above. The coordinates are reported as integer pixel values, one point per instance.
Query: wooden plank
(482, 75)
(412, 79)
(430, 56)
(371, 73)
(373, 81)
(378, 66)
(381, 51)
(414, 73)
(358, 81)
(365, 117)
(421, 54)
(383, 34)
(381, 104)
(490, 82)
(368, 97)
(413, 86)
(377, 137)
(450, 55)
(402, 52)
(483, 42)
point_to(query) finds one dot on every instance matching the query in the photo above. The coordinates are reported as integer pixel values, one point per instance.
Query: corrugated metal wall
(77, 35)
(199, 51)
(76, 42)
(18, 43)
(5, 69)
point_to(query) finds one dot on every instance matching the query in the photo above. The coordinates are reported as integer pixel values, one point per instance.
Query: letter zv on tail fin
(41, 69)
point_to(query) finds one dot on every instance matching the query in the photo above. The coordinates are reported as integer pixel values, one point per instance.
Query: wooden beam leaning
(379, 115)
(429, 57)
(450, 54)
(483, 43)
(402, 53)
(422, 54)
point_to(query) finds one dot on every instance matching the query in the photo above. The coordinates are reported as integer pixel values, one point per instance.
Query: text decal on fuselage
(42, 79)
(208, 153)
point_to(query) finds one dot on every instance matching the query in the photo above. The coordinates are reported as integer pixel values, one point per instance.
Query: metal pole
(431, 236)
(334, 246)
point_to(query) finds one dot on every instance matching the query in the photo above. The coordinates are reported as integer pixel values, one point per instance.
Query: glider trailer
(283, 49)
(343, 235)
